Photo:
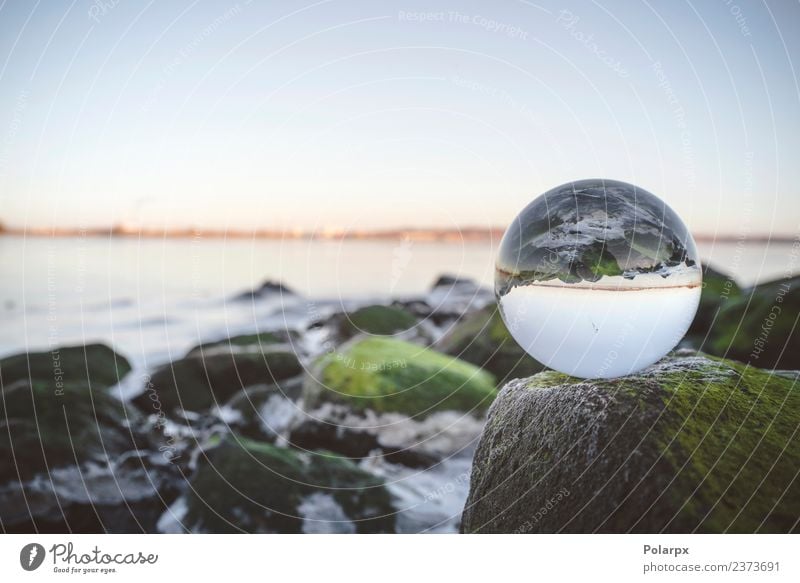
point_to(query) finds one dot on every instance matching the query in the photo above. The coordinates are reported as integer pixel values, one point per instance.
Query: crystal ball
(597, 278)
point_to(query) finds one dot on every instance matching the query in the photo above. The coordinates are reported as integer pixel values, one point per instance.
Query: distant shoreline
(402, 234)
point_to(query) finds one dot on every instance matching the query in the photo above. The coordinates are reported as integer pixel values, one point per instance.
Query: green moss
(250, 486)
(731, 431)
(391, 375)
(690, 444)
(547, 379)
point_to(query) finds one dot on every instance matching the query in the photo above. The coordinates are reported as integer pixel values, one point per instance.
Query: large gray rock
(690, 444)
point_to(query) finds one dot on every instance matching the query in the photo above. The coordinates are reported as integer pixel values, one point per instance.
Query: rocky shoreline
(373, 426)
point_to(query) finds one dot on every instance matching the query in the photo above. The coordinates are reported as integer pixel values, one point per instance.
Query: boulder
(94, 364)
(412, 405)
(452, 297)
(265, 290)
(376, 319)
(73, 462)
(450, 280)
(691, 444)
(761, 326)
(387, 375)
(42, 429)
(483, 339)
(200, 381)
(243, 485)
(247, 342)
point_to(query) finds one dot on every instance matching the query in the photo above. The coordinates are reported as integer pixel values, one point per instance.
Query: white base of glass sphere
(598, 333)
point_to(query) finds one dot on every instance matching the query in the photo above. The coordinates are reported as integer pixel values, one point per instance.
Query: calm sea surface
(154, 299)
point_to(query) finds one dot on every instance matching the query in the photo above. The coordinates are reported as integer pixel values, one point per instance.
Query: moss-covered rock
(248, 486)
(387, 375)
(246, 341)
(718, 290)
(94, 364)
(71, 462)
(483, 339)
(198, 382)
(376, 320)
(43, 429)
(761, 326)
(690, 444)
(409, 404)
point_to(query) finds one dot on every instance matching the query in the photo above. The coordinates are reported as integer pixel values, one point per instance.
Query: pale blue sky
(379, 114)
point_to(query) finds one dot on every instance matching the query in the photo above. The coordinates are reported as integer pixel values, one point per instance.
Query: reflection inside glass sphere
(597, 278)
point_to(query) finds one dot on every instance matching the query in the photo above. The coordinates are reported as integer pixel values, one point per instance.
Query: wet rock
(691, 444)
(394, 437)
(247, 342)
(761, 326)
(198, 382)
(451, 297)
(43, 429)
(127, 495)
(264, 412)
(449, 280)
(249, 486)
(718, 290)
(430, 501)
(411, 404)
(72, 462)
(94, 364)
(267, 289)
(375, 319)
(387, 375)
(483, 339)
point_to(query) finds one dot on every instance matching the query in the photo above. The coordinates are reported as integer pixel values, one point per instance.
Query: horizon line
(445, 234)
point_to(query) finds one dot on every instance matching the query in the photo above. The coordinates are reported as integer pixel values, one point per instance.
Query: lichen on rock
(387, 375)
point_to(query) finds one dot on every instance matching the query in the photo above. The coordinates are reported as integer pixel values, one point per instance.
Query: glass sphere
(597, 278)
